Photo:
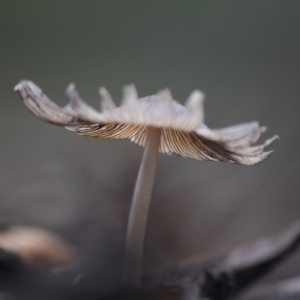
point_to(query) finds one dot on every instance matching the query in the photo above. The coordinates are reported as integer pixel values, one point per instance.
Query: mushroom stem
(139, 210)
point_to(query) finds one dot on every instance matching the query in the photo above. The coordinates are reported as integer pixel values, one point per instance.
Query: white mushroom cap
(183, 130)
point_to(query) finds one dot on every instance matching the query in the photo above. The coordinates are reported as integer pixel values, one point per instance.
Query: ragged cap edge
(231, 144)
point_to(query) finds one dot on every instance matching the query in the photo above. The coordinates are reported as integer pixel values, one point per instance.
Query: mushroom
(158, 123)
(39, 248)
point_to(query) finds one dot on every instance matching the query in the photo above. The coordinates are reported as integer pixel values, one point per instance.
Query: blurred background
(245, 56)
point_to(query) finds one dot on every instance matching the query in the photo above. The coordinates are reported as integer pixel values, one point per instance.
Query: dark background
(245, 56)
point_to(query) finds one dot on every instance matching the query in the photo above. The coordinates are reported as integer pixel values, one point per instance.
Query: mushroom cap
(183, 130)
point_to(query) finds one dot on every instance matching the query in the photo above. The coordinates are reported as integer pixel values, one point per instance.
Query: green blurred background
(245, 56)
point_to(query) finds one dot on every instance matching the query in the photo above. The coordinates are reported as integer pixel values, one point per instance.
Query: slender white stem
(139, 210)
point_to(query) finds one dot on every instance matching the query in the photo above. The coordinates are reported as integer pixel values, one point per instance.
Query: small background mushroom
(40, 249)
